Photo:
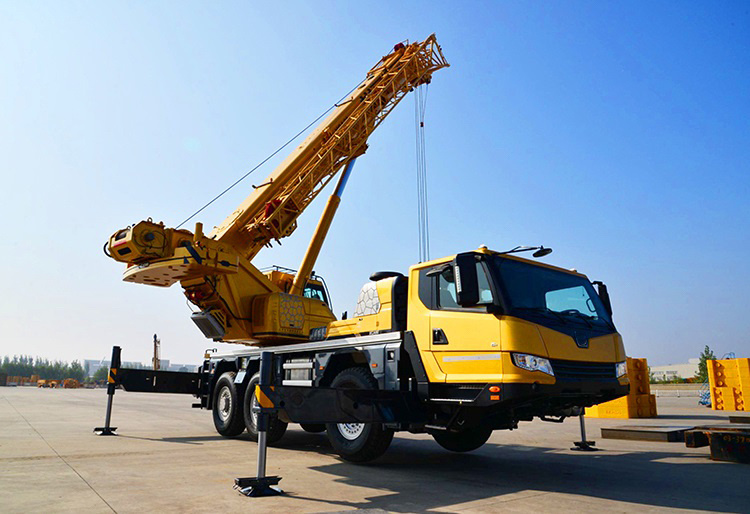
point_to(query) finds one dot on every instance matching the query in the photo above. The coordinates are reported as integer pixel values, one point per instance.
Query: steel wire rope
(420, 104)
(261, 163)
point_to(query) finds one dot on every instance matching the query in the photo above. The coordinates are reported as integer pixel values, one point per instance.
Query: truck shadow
(300, 441)
(192, 439)
(296, 440)
(415, 476)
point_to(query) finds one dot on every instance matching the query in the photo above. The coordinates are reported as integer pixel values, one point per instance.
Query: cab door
(465, 341)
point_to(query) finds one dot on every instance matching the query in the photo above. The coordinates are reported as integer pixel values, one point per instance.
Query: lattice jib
(341, 137)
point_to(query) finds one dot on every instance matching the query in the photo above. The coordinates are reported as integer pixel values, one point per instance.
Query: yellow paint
(630, 406)
(639, 403)
(382, 321)
(729, 380)
(263, 400)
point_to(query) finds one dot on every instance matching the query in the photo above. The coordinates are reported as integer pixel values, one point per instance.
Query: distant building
(670, 371)
(92, 366)
(183, 367)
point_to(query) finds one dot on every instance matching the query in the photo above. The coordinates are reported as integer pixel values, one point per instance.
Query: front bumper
(530, 399)
(549, 397)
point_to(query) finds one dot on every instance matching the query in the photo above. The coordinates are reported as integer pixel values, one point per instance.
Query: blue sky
(616, 133)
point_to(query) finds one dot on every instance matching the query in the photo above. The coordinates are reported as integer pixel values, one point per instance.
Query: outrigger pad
(585, 446)
(105, 430)
(256, 487)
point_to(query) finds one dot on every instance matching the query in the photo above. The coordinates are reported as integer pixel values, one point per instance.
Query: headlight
(621, 369)
(533, 363)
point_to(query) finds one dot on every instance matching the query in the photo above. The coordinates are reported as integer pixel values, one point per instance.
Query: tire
(276, 427)
(464, 441)
(358, 442)
(227, 406)
(313, 428)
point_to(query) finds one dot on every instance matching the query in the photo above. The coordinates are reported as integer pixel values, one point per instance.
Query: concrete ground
(168, 458)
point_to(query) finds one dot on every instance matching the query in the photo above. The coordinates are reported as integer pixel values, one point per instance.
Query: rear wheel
(276, 427)
(313, 428)
(358, 442)
(464, 441)
(227, 406)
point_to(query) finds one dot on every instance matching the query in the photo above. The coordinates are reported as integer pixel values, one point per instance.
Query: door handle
(438, 336)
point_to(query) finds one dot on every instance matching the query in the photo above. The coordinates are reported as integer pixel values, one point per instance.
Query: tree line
(25, 366)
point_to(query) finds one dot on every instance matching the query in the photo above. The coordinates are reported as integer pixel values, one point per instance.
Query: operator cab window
(447, 289)
(485, 291)
(316, 292)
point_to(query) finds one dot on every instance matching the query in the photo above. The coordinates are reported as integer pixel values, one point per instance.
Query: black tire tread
(313, 428)
(379, 437)
(464, 441)
(236, 423)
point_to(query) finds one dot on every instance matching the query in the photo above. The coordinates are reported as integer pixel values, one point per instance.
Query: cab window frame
(434, 290)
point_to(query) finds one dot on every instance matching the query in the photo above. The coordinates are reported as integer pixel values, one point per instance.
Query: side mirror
(467, 284)
(601, 290)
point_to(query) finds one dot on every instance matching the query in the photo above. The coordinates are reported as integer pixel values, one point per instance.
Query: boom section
(271, 211)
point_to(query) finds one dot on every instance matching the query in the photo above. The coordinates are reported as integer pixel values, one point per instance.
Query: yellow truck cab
(492, 328)
(543, 334)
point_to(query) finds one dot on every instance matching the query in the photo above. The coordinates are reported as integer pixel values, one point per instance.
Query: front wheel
(276, 427)
(227, 406)
(463, 441)
(358, 442)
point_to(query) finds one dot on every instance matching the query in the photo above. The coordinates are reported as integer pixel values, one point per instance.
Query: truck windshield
(547, 292)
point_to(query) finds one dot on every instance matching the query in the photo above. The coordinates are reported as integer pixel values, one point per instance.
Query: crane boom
(238, 302)
(271, 211)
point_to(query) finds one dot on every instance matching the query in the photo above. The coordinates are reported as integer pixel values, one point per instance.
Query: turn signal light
(495, 389)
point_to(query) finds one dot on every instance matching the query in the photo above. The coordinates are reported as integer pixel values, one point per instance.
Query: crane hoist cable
(261, 163)
(423, 219)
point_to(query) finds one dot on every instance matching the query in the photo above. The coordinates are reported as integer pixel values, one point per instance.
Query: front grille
(574, 371)
(456, 392)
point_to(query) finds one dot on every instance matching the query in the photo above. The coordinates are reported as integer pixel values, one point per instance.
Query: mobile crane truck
(458, 347)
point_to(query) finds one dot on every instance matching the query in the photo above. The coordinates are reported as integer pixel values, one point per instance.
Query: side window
(314, 291)
(447, 289)
(485, 291)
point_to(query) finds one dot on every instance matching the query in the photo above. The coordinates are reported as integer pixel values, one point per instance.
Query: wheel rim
(351, 431)
(254, 407)
(225, 403)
